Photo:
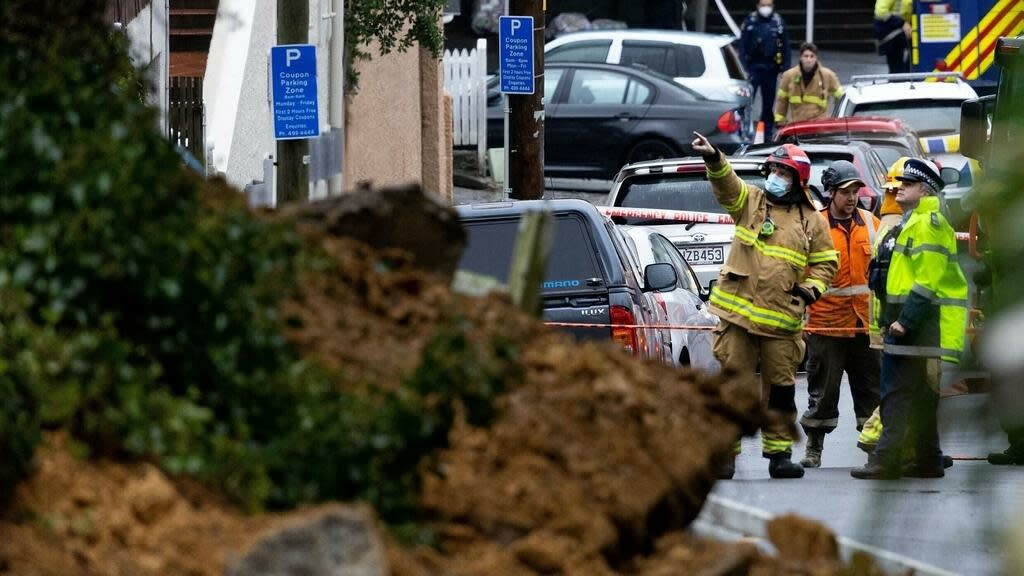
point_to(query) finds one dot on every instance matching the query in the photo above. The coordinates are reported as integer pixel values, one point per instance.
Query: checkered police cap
(917, 170)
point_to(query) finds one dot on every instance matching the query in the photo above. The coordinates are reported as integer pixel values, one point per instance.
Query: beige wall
(396, 128)
(437, 146)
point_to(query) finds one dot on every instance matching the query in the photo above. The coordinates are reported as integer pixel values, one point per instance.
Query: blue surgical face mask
(776, 185)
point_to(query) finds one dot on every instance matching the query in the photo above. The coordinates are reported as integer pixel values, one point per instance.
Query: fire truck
(961, 35)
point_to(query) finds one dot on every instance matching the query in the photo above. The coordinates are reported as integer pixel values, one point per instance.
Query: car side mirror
(950, 176)
(974, 117)
(711, 286)
(659, 277)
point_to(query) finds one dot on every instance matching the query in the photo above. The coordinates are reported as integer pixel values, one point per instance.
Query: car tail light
(623, 331)
(729, 122)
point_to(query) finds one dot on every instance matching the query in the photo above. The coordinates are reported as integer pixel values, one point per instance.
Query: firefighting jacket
(800, 102)
(925, 289)
(776, 248)
(846, 304)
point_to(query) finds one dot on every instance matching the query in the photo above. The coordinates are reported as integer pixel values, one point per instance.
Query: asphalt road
(955, 523)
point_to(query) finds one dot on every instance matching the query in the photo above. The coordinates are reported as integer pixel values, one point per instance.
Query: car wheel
(650, 150)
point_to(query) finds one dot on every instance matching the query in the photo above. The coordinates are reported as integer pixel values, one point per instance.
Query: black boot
(875, 470)
(1012, 456)
(780, 466)
(815, 444)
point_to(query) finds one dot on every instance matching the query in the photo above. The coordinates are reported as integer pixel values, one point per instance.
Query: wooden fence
(185, 115)
(465, 78)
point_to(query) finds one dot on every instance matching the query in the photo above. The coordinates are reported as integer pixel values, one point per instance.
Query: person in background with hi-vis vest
(781, 261)
(923, 297)
(891, 215)
(764, 50)
(893, 31)
(846, 304)
(804, 89)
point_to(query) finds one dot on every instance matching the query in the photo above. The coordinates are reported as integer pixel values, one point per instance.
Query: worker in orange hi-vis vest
(846, 304)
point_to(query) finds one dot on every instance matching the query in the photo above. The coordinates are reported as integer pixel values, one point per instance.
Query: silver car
(685, 303)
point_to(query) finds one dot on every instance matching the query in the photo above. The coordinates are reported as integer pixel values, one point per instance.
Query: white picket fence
(465, 78)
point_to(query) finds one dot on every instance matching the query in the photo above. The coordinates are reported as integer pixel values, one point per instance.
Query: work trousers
(827, 358)
(765, 81)
(909, 413)
(739, 352)
(897, 55)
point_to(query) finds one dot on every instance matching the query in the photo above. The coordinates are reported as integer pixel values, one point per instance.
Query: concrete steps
(838, 25)
(192, 25)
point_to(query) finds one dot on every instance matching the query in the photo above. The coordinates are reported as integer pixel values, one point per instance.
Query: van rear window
(571, 263)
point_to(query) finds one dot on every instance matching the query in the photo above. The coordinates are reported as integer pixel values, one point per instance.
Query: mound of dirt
(595, 465)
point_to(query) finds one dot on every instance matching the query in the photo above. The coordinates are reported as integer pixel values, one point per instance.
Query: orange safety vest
(847, 302)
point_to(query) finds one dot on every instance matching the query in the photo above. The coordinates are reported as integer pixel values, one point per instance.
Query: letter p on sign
(291, 54)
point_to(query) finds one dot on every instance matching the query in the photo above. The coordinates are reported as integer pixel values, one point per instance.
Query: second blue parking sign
(515, 54)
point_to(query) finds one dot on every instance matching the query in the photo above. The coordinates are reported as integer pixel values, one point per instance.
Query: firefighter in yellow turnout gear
(781, 260)
(804, 90)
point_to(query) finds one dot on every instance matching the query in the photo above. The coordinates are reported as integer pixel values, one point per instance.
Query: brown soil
(595, 466)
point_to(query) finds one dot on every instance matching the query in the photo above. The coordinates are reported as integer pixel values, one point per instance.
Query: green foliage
(139, 307)
(394, 24)
(19, 393)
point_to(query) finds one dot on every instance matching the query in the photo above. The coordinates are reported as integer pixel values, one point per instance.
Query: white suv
(647, 188)
(705, 63)
(927, 102)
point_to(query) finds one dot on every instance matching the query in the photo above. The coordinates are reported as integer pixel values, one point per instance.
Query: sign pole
(506, 185)
(292, 170)
(527, 112)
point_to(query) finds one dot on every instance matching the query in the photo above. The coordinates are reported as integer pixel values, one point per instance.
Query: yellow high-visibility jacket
(902, 8)
(925, 289)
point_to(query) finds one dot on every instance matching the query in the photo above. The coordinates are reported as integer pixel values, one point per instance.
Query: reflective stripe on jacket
(847, 303)
(925, 290)
(800, 102)
(756, 283)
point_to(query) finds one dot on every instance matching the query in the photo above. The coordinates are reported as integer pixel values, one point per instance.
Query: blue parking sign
(515, 54)
(294, 95)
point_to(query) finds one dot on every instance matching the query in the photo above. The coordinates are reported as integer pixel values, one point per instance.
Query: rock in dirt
(151, 496)
(403, 218)
(339, 541)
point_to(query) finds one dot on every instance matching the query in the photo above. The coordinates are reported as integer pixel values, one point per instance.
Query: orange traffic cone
(759, 133)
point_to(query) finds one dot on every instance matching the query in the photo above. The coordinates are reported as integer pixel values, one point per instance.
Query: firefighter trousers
(827, 358)
(740, 352)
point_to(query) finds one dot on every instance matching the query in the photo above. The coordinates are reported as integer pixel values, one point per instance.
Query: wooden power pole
(526, 119)
(292, 173)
